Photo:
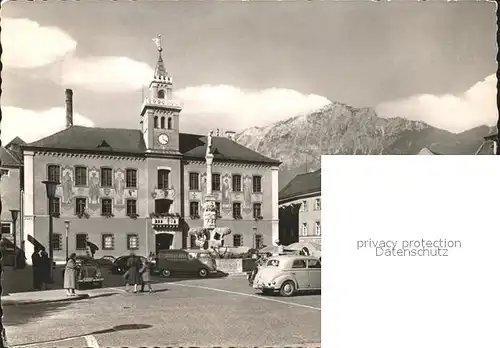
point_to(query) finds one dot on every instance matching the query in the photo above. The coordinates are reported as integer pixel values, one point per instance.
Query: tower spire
(160, 71)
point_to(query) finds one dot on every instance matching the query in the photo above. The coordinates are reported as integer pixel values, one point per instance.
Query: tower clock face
(163, 139)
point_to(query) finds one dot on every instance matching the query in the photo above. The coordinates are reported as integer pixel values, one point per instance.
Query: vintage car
(106, 261)
(289, 274)
(119, 265)
(177, 261)
(89, 272)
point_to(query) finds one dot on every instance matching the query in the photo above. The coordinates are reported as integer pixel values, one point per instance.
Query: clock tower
(160, 114)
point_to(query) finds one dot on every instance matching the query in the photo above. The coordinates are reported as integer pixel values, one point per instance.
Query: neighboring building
(10, 188)
(141, 190)
(426, 151)
(300, 209)
(487, 147)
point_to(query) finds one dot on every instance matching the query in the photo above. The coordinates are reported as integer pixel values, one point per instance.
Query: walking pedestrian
(35, 261)
(146, 275)
(134, 277)
(70, 275)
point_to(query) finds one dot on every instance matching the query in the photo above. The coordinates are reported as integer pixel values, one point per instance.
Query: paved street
(182, 312)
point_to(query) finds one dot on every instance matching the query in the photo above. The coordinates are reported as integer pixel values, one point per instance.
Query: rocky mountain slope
(340, 129)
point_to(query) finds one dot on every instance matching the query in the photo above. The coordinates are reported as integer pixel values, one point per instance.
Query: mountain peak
(339, 129)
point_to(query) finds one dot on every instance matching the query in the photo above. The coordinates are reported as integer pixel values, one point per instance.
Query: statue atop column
(209, 143)
(210, 236)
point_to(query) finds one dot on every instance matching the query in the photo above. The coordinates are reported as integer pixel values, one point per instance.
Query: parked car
(88, 272)
(119, 265)
(289, 274)
(194, 261)
(106, 261)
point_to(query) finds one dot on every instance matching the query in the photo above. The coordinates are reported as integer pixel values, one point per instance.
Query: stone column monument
(210, 236)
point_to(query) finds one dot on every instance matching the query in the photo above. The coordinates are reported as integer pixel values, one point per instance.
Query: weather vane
(157, 41)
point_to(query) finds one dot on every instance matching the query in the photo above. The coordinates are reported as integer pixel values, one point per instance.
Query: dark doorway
(163, 241)
(289, 224)
(162, 206)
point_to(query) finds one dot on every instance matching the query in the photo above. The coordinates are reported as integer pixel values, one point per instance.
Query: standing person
(35, 261)
(278, 250)
(146, 275)
(134, 277)
(20, 258)
(70, 275)
(255, 269)
(44, 269)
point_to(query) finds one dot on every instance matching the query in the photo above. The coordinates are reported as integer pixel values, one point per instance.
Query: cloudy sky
(242, 64)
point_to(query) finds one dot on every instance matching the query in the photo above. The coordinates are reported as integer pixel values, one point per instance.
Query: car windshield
(203, 256)
(273, 263)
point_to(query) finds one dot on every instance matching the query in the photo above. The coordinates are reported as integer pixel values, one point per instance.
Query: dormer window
(161, 94)
(104, 144)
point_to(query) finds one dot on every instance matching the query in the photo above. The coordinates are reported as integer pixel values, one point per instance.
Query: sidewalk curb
(8, 302)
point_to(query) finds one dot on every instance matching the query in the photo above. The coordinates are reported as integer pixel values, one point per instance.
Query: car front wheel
(165, 273)
(287, 289)
(202, 273)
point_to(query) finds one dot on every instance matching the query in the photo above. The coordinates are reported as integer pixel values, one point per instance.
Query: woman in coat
(70, 272)
(134, 276)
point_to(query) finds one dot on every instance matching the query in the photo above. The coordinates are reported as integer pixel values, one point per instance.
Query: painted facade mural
(226, 196)
(226, 199)
(67, 185)
(118, 193)
(119, 186)
(247, 194)
(94, 189)
(257, 197)
(164, 194)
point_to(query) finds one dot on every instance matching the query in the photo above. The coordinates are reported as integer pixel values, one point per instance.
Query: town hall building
(142, 190)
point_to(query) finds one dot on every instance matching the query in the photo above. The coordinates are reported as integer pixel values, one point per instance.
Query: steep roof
(115, 140)
(194, 146)
(91, 139)
(8, 159)
(302, 184)
(16, 141)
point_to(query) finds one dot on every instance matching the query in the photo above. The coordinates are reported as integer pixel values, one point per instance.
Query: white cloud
(455, 113)
(26, 44)
(218, 106)
(106, 74)
(32, 125)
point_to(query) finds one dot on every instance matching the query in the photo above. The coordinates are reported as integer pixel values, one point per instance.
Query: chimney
(69, 108)
(230, 134)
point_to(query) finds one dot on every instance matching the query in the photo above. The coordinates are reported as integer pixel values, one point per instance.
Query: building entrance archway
(163, 241)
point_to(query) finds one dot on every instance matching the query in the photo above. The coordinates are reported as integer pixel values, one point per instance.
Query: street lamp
(51, 186)
(15, 214)
(255, 237)
(66, 224)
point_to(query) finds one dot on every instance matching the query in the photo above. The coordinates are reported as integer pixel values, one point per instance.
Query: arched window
(163, 123)
(156, 122)
(161, 94)
(169, 123)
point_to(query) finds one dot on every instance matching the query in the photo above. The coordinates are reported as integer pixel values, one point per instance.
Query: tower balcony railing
(174, 104)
